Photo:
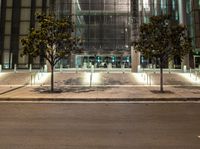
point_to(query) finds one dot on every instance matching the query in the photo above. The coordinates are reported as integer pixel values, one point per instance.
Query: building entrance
(103, 61)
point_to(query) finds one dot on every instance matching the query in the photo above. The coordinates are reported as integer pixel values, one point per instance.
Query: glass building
(104, 26)
(107, 28)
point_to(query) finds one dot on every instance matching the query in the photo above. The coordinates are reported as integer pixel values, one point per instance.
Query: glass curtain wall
(103, 25)
(148, 8)
(193, 23)
(18, 16)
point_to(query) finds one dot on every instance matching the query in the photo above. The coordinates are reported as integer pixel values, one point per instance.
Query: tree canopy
(163, 39)
(53, 38)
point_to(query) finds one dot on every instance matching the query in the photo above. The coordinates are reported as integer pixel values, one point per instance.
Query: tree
(54, 38)
(163, 39)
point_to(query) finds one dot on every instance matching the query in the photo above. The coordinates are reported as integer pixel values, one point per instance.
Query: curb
(101, 99)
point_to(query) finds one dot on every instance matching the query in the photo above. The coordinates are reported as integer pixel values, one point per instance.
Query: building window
(8, 14)
(188, 7)
(26, 3)
(177, 16)
(146, 5)
(25, 14)
(9, 3)
(173, 4)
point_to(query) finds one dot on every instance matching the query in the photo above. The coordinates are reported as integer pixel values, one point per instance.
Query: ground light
(143, 78)
(191, 77)
(40, 78)
(91, 78)
(2, 74)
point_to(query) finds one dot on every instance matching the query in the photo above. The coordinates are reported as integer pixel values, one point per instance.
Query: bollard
(154, 68)
(38, 76)
(147, 78)
(31, 79)
(109, 67)
(61, 68)
(76, 68)
(138, 68)
(184, 68)
(45, 68)
(34, 78)
(15, 68)
(199, 68)
(0, 68)
(150, 79)
(30, 68)
(92, 71)
(169, 69)
(122, 68)
(196, 75)
(85, 66)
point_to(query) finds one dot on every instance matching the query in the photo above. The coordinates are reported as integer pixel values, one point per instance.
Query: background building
(107, 28)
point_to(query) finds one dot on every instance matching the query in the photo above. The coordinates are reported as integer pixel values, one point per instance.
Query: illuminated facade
(107, 28)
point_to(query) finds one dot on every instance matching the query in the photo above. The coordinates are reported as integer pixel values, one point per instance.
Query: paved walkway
(100, 93)
(109, 86)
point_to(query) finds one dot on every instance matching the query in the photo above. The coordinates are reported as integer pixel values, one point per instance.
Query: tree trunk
(52, 78)
(161, 77)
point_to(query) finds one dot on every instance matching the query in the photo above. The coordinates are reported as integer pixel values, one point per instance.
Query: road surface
(99, 126)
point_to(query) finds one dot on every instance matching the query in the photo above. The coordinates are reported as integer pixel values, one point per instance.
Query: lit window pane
(26, 3)
(24, 28)
(25, 14)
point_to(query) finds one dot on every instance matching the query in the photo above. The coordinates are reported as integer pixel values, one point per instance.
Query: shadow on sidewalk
(12, 89)
(188, 87)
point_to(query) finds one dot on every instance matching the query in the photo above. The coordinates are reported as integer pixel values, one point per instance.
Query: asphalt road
(99, 126)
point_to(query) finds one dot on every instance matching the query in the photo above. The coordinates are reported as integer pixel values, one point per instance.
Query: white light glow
(40, 78)
(2, 74)
(190, 77)
(146, 5)
(78, 4)
(143, 78)
(95, 78)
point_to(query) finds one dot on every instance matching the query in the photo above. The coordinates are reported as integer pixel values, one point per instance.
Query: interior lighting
(146, 5)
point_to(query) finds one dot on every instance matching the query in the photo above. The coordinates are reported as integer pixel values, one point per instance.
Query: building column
(135, 57)
(2, 28)
(182, 11)
(15, 28)
(182, 20)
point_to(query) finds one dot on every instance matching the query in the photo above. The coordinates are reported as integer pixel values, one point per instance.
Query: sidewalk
(100, 93)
